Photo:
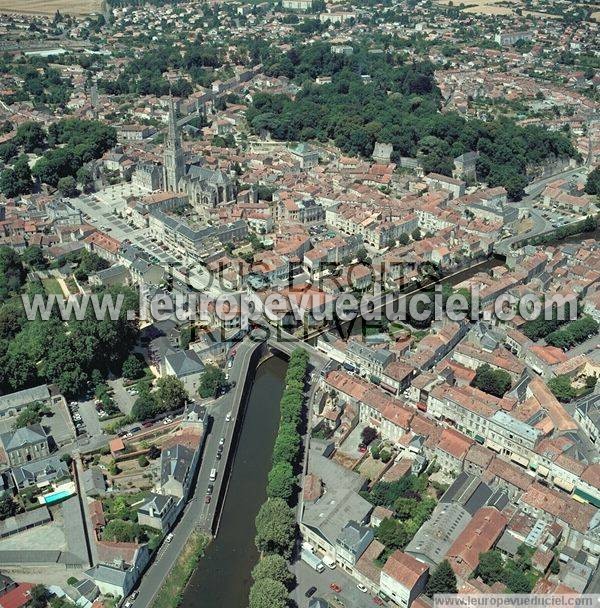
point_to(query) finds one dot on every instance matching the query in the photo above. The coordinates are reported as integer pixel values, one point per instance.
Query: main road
(197, 514)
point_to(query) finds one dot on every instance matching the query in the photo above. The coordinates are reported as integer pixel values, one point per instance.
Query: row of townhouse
(330, 252)
(377, 228)
(190, 241)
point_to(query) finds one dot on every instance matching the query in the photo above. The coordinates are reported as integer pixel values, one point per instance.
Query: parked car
(361, 587)
(335, 587)
(377, 601)
(169, 537)
(310, 591)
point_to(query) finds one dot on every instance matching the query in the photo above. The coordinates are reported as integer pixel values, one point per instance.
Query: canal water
(222, 579)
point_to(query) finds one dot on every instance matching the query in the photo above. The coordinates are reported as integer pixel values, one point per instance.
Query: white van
(213, 474)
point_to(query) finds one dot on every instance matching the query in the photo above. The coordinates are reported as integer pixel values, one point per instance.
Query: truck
(312, 560)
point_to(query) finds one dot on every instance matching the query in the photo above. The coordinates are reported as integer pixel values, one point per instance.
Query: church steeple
(174, 161)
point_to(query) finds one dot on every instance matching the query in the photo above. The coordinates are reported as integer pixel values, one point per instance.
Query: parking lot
(349, 596)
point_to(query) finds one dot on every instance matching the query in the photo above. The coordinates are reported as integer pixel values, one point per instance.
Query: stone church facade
(206, 188)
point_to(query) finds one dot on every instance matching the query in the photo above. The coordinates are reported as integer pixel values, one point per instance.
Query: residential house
(403, 578)
(25, 444)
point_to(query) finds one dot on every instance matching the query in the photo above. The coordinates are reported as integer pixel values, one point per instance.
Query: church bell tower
(174, 161)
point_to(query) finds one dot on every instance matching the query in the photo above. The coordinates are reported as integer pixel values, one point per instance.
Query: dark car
(210, 488)
(310, 592)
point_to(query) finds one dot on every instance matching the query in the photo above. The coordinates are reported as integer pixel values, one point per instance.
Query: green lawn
(171, 592)
(52, 286)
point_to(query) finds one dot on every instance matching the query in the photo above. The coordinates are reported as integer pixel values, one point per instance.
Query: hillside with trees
(399, 103)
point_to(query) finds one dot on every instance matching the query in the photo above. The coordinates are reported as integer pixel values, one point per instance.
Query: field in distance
(49, 7)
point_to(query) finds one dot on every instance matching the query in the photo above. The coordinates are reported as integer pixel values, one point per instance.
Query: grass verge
(171, 592)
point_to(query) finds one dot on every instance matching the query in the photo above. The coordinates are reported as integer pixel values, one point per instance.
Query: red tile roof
(17, 597)
(404, 568)
(478, 537)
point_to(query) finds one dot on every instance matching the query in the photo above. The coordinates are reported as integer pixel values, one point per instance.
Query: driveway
(350, 446)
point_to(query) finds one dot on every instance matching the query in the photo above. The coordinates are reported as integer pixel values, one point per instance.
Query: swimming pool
(51, 499)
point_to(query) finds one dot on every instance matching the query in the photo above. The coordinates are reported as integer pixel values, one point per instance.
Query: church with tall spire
(174, 158)
(205, 187)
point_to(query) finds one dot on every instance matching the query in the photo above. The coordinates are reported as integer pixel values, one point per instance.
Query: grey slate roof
(112, 575)
(22, 521)
(175, 462)
(340, 502)
(93, 481)
(24, 397)
(157, 502)
(40, 470)
(29, 435)
(184, 362)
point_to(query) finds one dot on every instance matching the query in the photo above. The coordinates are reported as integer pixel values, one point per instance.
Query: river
(222, 579)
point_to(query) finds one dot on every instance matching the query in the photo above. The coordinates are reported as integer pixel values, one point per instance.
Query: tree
(491, 567)
(393, 534)
(275, 527)
(132, 368)
(33, 256)
(143, 461)
(12, 273)
(121, 531)
(267, 593)
(85, 179)
(592, 184)
(368, 435)
(17, 180)
(32, 414)
(281, 481)
(145, 406)
(31, 136)
(416, 234)
(68, 186)
(493, 381)
(8, 151)
(8, 507)
(442, 580)
(287, 444)
(275, 567)
(39, 597)
(212, 379)
(170, 393)
(153, 452)
(562, 389)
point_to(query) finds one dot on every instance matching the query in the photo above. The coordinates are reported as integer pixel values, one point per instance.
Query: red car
(362, 448)
(378, 601)
(335, 587)
(207, 498)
